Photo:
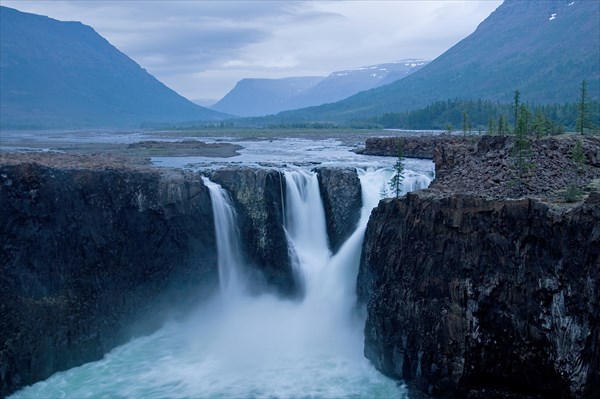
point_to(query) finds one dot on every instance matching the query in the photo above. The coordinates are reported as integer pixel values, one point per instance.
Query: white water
(228, 241)
(238, 346)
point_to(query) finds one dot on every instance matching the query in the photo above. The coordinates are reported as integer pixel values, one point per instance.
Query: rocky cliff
(342, 199)
(258, 197)
(470, 293)
(414, 146)
(477, 298)
(92, 255)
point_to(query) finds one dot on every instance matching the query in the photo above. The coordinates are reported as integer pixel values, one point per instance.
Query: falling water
(256, 346)
(228, 241)
(305, 226)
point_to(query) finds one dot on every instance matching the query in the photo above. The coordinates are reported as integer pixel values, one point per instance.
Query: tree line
(485, 115)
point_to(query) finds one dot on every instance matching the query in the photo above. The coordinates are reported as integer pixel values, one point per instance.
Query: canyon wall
(468, 297)
(93, 256)
(486, 284)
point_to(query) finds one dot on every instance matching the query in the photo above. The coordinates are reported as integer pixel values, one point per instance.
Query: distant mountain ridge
(544, 48)
(58, 74)
(258, 97)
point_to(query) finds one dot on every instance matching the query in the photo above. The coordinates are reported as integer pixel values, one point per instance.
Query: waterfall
(229, 253)
(305, 226)
(239, 345)
(330, 280)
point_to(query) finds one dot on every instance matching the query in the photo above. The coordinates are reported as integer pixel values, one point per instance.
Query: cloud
(202, 48)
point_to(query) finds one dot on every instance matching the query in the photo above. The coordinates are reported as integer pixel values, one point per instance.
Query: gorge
(470, 296)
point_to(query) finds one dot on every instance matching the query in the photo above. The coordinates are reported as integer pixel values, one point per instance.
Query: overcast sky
(202, 48)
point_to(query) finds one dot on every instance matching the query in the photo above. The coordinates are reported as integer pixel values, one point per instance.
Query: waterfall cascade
(230, 257)
(256, 346)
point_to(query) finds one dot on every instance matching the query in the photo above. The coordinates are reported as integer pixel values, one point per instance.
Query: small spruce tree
(522, 147)
(516, 106)
(501, 125)
(578, 156)
(466, 124)
(539, 125)
(582, 109)
(395, 182)
(491, 126)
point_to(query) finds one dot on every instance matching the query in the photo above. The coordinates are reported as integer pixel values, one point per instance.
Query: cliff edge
(94, 251)
(481, 288)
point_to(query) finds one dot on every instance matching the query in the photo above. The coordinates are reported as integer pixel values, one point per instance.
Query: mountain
(343, 84)
(65, 75)
(543, 48)
(257, 97)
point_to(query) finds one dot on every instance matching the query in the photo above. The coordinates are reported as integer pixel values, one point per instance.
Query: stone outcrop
(342, 199)
(414, 146)
(476, 298)
(258, 197)
(93, 256)
(486, 167)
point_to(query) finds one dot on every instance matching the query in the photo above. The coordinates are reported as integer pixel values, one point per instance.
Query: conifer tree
(516, 106)
(522, 147)
(582, 106)
(501, 125)
(578, 156)
(539, 125)
(491, 126)
(395, 182)
(466, 124)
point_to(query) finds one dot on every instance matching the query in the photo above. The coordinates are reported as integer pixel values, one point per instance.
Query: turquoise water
(255, 348)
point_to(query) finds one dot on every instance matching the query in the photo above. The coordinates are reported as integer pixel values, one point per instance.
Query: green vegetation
(395, 182)
(578, 156)
(466, 124)
(582, 109)
(522, 149)
(516, 105)
(572, 193)
(551, 119)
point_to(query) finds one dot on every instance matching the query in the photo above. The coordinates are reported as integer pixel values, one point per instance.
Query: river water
(238, 345)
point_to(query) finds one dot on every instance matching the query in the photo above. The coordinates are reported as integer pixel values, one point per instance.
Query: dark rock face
(414, 146)
(486, 167)
(342, 199)
(258, 197)
(468, 297)
(90, 258)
